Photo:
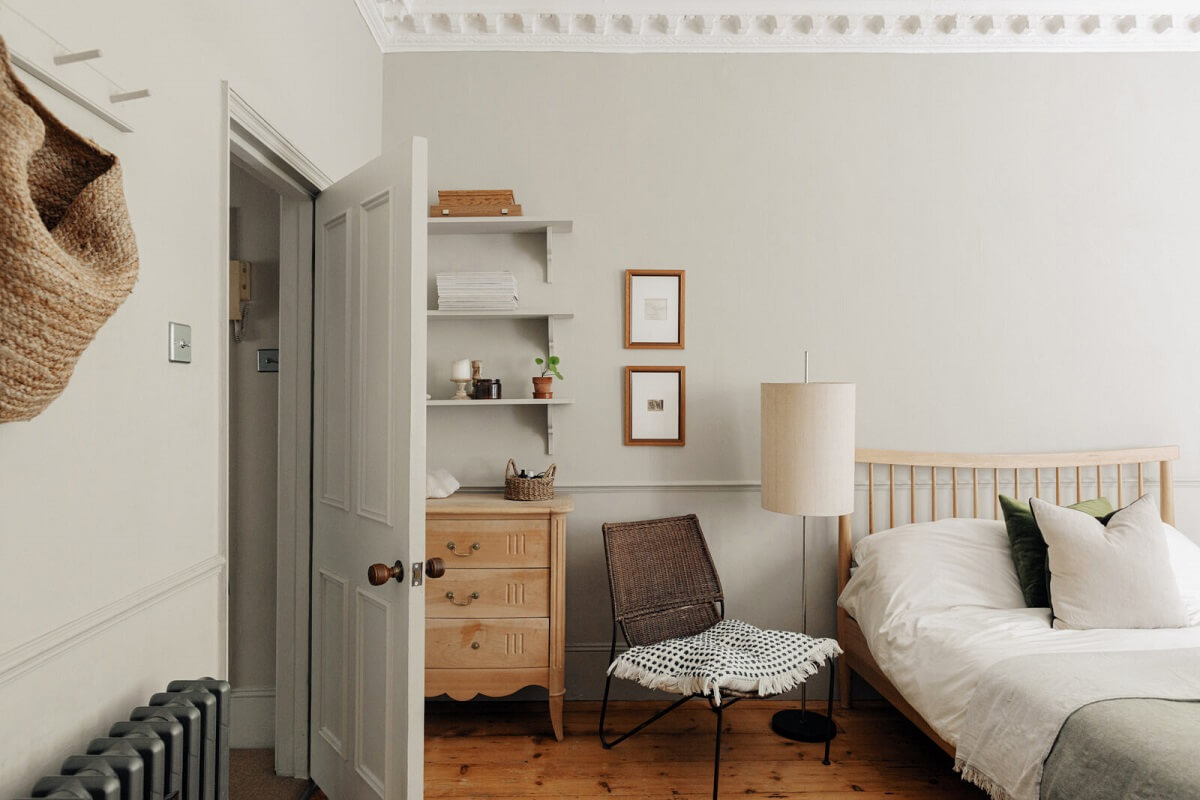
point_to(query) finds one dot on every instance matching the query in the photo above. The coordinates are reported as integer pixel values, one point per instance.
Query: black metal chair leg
(717, 756)
(607, 745)
(829, 710)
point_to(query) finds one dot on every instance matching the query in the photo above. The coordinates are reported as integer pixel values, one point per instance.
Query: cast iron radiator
(176, 747)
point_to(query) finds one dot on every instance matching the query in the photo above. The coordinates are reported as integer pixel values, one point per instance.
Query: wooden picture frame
(641, 428)
(654, 309)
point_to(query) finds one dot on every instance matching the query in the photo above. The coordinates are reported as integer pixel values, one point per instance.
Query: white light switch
(181, 343)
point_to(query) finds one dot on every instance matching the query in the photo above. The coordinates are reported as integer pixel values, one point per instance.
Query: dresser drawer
(480, 643)
(489, 593)
(482, 543)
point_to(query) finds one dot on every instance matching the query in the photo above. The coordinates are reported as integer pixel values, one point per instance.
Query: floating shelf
(528, 401)
(549, 316)
(457, 226)
(450, 226)
(518, 314)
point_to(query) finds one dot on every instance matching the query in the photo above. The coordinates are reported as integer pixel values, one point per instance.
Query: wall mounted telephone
(239, 296)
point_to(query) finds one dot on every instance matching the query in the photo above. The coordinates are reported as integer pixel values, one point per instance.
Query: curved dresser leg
(556, 714)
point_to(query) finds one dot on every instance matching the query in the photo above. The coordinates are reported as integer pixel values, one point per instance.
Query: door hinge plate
(418, 573)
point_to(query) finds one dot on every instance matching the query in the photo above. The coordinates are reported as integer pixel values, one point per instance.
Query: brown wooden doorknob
(379, 574)
(435, 567)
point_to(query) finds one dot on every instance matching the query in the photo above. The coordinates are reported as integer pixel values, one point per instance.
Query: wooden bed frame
(1009, 474)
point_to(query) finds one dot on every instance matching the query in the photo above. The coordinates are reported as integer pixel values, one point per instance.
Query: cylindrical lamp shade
(808, 448)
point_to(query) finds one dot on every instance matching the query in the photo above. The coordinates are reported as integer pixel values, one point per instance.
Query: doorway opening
(254, 356)
(267, 365)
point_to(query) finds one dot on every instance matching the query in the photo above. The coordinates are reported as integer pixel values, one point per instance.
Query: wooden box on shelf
(476, 203)
(495, 622)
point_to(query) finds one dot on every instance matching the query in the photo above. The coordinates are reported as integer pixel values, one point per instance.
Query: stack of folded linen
(477, 291)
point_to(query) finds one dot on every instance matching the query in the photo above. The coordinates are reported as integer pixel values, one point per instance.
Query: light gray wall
(112, 499)
(253, 453)
(999, 250)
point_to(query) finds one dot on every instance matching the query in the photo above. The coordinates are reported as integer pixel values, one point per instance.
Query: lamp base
(803, 726)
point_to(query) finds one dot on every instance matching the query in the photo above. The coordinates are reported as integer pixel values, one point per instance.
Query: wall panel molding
(908, 26)
(38, 651)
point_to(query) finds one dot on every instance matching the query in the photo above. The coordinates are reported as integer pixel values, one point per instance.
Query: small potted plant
(542, 383)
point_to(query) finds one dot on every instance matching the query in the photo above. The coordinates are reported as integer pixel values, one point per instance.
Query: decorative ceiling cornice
(888, 26)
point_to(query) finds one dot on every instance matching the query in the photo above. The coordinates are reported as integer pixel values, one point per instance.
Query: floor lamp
(807, 471)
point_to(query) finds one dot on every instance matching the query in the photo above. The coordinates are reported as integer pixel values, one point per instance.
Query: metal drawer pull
(450, 546)
(474, 645)
(450, 597)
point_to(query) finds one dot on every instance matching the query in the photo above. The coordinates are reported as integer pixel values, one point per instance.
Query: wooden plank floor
(505, 751)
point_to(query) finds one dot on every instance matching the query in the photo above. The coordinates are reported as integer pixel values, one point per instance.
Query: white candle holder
(461, 383)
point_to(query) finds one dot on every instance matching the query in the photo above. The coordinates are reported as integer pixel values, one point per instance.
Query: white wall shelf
(476, 226)
(549, 405)
(526, 401)
(519, 314)
(550, 316)
(453, 226)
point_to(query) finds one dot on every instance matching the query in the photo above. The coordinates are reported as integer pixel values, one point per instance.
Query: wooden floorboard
(504, 751)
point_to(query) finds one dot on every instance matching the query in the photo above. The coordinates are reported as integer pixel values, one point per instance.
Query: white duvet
(939, 603)
(935, 659)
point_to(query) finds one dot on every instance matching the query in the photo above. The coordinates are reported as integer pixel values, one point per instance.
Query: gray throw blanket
(1123, 749)
(1022, 703)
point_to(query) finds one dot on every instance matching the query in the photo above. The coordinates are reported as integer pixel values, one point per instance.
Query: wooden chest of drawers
(494, 623)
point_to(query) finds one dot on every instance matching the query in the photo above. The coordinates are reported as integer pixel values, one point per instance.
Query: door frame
(255, 144)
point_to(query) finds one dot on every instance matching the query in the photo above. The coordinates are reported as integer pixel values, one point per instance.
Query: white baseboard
(252, 720)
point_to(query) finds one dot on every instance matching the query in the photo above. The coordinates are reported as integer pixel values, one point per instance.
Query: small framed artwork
(654, 308)
(655, 406)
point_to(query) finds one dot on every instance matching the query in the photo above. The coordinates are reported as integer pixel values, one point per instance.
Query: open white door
(368, 642)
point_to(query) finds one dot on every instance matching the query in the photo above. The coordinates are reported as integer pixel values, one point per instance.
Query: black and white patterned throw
(731, 655)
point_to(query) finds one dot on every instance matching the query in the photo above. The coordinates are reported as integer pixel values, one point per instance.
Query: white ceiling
(919, 26)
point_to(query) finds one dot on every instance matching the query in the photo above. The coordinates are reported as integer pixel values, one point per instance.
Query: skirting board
(252, 721)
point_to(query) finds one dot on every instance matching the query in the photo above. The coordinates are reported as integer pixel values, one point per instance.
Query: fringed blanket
(730, 655)
(1016, 714)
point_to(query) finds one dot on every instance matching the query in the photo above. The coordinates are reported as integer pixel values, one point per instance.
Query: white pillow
(932, 566)
(1185, 561)
(1110, 576)
(440, 483)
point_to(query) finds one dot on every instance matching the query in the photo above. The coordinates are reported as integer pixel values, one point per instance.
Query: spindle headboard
(937, 485)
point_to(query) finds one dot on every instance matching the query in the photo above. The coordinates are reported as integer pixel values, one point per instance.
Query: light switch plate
(268, 360)
(180, 350)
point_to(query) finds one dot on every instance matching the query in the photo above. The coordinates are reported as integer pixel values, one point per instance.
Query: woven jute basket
(67, 252)
(518, 488)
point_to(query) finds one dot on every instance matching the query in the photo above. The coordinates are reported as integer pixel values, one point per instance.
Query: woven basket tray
(517, 488)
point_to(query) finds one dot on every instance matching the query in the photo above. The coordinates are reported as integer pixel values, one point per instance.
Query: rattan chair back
(662, 579)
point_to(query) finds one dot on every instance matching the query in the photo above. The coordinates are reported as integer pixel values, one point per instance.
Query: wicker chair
(664, 585)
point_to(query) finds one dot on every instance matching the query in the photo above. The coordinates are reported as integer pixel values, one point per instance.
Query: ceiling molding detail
(687, 26)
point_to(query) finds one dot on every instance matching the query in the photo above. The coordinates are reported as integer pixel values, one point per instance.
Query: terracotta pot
(541, 388)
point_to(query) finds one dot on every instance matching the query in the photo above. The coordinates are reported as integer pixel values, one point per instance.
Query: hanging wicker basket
(67, 252)
(518, 488)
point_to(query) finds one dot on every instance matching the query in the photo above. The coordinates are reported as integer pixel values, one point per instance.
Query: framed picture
(655, 406)
(654, 308)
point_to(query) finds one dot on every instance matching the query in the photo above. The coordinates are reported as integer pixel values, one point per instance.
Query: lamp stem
(804, 582)
(804, 579)
(804, 575)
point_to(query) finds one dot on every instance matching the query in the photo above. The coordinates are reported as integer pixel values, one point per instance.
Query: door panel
(369, 422)
(330, 631)
(333, 360)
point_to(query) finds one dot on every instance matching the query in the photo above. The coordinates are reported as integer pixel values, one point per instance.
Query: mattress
(935, 658)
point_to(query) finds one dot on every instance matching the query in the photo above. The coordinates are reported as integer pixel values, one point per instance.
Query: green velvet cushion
(1029, 546)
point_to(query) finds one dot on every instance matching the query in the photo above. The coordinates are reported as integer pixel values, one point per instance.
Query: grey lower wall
(998, 249)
